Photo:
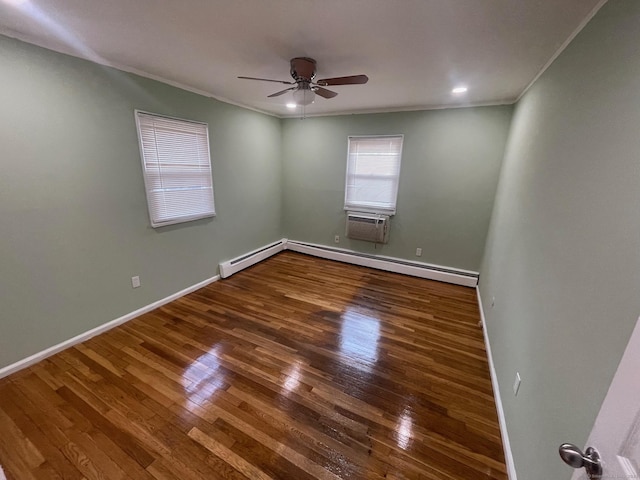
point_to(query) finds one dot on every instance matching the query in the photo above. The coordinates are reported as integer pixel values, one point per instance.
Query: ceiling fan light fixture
(459, 90)
(291, 105)
(304, 96)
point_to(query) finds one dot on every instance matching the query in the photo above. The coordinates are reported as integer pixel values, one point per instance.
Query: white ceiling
(414, 51)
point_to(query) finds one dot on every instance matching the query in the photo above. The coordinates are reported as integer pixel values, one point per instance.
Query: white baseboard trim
(508, 456)
(36, 357)
(230, 267)
(456, 276)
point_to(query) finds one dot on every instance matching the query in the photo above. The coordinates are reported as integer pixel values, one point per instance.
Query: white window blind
(373, 171)
(177, 168)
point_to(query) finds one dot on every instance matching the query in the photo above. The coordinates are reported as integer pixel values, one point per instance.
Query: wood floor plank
(227, 455)
(15, 439)
(296, 368)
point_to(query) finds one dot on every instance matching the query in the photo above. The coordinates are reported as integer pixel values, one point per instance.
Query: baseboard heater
(416, 269)
(456, 276)
(230, 267)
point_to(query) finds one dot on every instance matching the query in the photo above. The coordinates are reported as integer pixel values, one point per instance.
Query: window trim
(365, 209)
(186, 218)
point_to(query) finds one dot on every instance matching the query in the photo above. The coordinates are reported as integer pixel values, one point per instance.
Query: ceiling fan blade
(350, 80)
(281, 92)
(268, 80)
(323, 92)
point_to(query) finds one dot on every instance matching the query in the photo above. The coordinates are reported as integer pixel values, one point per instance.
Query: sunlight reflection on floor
(203, 377)
(405, 429)
(359, 336)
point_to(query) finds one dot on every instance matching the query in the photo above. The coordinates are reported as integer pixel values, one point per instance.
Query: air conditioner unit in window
(370, 227)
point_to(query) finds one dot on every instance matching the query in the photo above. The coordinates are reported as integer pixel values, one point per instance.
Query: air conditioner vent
(367, 226)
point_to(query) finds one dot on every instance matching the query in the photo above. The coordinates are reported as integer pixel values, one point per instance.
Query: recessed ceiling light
(291, 105)
(459, 90)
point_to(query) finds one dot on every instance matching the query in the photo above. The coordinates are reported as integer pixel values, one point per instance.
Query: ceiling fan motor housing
(303, 69)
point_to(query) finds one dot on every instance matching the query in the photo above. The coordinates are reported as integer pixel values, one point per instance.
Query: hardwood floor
(297, 368)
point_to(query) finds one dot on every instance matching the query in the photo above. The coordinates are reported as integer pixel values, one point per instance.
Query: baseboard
(508, 456)
(35, 358)
(230, 267)
(456, 276)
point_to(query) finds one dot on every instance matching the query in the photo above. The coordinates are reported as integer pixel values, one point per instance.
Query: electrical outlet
(135, 281)
(418, 252)
(336, 239)
(516, 384)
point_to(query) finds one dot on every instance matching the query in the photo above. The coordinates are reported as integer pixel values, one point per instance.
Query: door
(616, 431)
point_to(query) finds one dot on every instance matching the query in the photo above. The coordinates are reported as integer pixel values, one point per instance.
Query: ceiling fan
(305, 87)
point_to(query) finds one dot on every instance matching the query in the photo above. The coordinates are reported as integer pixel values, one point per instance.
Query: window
(373, 170)
(176, 167)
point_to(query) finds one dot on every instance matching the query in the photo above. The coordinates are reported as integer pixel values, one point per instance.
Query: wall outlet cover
(135, 281)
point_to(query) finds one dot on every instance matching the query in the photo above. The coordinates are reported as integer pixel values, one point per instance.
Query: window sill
(373, 211)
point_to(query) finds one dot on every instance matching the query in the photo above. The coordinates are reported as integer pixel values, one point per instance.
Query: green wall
(450, 165)
(563, 253)
(73, 212)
